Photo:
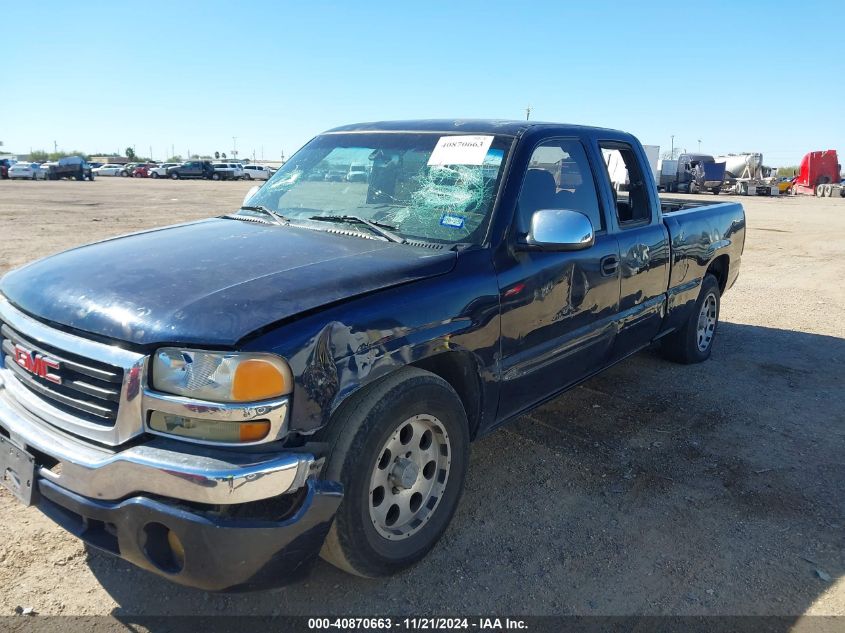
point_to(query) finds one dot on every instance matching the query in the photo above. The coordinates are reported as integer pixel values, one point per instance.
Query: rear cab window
(627, 182)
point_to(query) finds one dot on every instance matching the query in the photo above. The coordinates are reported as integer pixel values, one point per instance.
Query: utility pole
(283, 156)
(235, 146)
(527, 112)
(172, 150)
(672, 153)
(55, 147)
(151, 152)
(699, 146)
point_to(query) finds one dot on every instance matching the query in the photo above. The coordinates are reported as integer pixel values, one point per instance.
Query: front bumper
(210, 551)
(208, 518)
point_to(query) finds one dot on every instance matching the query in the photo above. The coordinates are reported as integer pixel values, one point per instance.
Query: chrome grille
(102, 386)
(88, 389)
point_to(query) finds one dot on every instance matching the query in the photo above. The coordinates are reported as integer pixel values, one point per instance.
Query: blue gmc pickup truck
(222, 401)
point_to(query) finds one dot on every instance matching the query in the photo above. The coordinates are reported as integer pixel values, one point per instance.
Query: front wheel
(247, 177)
(154, 175)
(694, 341)
(215, 176)
(400, 448)
(174, 176)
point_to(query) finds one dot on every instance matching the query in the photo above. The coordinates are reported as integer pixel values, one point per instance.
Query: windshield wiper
(278, 217)
(379, 228)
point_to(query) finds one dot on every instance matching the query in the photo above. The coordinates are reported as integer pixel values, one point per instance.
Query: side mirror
(560, 230)
(250, 193)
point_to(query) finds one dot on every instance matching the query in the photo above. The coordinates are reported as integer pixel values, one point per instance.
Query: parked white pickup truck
(161, 170)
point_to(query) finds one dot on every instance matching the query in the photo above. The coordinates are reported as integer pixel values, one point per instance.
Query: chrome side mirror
(250, 193)
(560, 230)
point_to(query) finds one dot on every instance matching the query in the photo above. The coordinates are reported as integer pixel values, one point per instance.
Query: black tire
(124, 174)
(716, 191)
(682, 346)
(215, 176)
(356, 437)
(175, 175)
(154, 175)
(247, 177)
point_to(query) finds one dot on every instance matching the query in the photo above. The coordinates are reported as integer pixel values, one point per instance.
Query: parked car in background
(160, 171)
(128, 168)
(257, 172)
(334, 175)
(109, 169)
(5, 163)
(200, 169)
(785, 185)
(95, 165)
(74, 167)
(27, 171)
(143, 170)
(236, 168)
(356, 173)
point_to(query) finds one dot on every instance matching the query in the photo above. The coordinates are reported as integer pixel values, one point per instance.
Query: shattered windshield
(420, 186)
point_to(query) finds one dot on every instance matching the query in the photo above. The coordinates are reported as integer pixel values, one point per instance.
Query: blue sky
(99, 76)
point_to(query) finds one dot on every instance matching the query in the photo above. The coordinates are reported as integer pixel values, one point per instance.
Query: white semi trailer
(745, 175)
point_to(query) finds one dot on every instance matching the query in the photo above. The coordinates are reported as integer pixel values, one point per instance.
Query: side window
(627, 182)
(558, 177)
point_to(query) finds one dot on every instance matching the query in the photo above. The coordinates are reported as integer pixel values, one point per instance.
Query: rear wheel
(247, 176)
(400, 448)
(175, 175)
(694, 341)
(828, 191)
(154, 175)
(215, 176)
(715, 191)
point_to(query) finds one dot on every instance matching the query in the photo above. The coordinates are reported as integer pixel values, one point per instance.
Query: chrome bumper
(191, 473)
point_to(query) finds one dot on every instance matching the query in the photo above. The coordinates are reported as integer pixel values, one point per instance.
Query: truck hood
(211, 282)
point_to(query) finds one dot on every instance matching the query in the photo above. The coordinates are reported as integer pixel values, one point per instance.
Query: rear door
(557, 308)
(643, 246)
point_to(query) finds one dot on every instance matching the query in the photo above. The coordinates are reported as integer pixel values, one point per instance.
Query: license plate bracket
(17, 471)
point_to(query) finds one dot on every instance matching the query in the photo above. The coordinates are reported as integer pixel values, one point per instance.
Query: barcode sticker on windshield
(460, 150)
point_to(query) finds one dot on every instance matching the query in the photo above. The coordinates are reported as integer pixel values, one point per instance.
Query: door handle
(609, 265)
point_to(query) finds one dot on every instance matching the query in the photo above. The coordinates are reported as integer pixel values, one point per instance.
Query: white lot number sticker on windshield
(460, 150)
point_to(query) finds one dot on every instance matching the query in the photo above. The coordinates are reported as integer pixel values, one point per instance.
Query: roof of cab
(463, 126)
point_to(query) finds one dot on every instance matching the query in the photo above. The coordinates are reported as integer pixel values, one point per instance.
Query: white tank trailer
(745, 174)
(748, 165)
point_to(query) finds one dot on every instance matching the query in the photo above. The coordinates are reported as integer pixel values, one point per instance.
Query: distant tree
(195, 156)
(130, 153)
(788, 171)
(174, 159)
(216, 154)
(223, 154)
(41, 155)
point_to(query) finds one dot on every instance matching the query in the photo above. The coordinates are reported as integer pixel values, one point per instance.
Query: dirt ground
(652, 489)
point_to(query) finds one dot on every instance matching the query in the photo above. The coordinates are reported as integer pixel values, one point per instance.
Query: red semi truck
(819, 175)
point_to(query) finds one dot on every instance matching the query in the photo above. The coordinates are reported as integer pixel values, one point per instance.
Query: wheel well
(460, 370)
(719, 268)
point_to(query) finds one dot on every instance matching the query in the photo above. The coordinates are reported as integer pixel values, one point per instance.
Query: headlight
(221, 376)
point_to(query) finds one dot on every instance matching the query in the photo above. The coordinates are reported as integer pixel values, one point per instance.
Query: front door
(558, 309)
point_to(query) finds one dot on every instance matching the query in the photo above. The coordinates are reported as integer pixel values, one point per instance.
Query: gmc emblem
(38, 365)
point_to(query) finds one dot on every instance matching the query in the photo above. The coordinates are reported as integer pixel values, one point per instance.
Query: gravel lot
(652, 489)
